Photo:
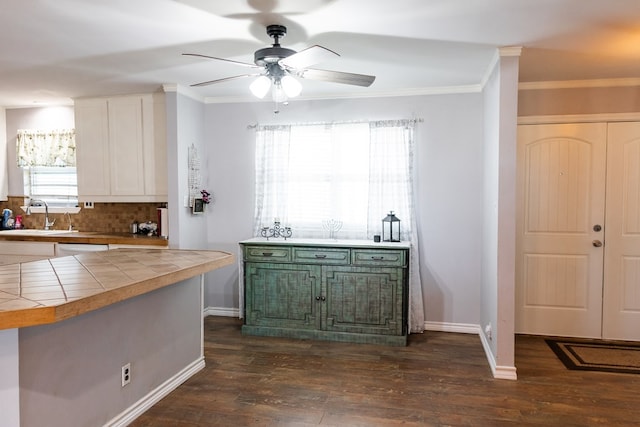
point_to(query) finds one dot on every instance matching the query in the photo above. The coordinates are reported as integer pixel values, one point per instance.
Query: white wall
(450, 174)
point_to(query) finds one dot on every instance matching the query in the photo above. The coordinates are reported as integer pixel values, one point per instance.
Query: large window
(354, 173)
(48, 161)
(56, 185)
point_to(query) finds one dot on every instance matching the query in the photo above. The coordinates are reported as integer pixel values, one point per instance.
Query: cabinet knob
(320, 298)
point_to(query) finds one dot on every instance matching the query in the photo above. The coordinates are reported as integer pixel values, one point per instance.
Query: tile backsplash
(103, 218)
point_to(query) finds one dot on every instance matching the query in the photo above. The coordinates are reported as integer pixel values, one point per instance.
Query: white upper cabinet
(121, 149)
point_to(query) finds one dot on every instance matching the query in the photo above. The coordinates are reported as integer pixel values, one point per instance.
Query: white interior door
(561, 189)
(621, 304)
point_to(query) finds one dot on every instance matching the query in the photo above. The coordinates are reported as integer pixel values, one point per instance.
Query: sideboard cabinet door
(364, 300)
(282, 295)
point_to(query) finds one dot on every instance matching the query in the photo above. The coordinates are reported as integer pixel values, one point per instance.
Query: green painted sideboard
(344, 290)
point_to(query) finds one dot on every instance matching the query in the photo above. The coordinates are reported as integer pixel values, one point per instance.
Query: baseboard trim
(220, 311)
(460, 328)
(498, 372)
(134, 411)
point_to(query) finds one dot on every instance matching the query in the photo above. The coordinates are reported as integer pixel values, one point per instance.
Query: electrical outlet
(88, 205)
(126, 374)
(488, 331)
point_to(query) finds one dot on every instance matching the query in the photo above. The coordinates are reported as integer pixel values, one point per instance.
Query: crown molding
(579, 118)
(179, 89)
(443, 90)
(510, 51)
(572, 84)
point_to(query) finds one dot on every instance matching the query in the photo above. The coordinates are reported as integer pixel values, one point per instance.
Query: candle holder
(276, 231)
(332, 227)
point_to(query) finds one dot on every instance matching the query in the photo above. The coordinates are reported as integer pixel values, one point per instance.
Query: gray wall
(185, 127)
(450, 175)
(498, 254)
(70, 371)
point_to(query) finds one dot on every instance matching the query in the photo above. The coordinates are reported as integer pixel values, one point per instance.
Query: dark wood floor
(439, 379)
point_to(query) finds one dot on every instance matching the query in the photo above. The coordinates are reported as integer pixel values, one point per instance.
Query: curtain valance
(46, 147)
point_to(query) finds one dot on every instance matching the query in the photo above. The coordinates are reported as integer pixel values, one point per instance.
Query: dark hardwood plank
(439, 379)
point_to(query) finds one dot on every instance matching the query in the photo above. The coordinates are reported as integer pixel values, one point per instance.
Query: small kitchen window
(48, 161)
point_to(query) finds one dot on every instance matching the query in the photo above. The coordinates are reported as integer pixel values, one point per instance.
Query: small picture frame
(198, 207)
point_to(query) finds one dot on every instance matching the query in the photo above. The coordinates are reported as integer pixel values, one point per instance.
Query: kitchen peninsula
(69, 324)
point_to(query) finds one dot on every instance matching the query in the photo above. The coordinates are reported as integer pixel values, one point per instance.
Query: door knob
(597, 243)
(597, 227)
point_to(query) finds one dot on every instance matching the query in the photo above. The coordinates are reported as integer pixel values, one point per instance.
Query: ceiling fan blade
(307, 57)
(226, 79)
(244, 64)
(337, 77)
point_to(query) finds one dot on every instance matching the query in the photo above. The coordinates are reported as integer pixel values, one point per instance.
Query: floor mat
(595, 355)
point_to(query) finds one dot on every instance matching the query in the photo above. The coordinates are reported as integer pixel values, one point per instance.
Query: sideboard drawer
(379, 257)
(267, 254)
(321, 255)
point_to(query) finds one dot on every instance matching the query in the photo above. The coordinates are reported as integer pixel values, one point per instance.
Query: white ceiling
(52, 51)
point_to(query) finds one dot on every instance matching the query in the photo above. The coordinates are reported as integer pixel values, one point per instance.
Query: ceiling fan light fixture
(260, 86)
(291, 86)
(277, 93)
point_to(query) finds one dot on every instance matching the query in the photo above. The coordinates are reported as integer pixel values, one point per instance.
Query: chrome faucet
(47, 224)
(68, 215)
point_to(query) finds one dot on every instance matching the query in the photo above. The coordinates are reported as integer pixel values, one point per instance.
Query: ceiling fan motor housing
(275, 53)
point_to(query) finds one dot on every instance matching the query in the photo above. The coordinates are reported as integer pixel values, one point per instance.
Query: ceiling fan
(277, 68)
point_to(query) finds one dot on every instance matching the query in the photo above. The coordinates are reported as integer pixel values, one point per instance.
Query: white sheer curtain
(354, 173)
(392, 187)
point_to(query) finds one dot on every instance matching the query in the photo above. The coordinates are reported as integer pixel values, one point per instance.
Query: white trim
(441, 90)
(202, 308)
(460, 328)
(505, 373)
(510, 50)
(101, 198)
(499, 372)
(221, 311)
(506, 51)
(188, 92)
(571, 84)
(153, 397)
(489, 72)
(579, 118)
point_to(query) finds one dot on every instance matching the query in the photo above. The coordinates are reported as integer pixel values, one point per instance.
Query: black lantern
(390, 228)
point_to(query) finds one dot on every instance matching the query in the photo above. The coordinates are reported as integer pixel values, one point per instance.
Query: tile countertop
(51, 290)
(91, 237)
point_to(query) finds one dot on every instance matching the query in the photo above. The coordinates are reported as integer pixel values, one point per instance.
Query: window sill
(52, 209)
